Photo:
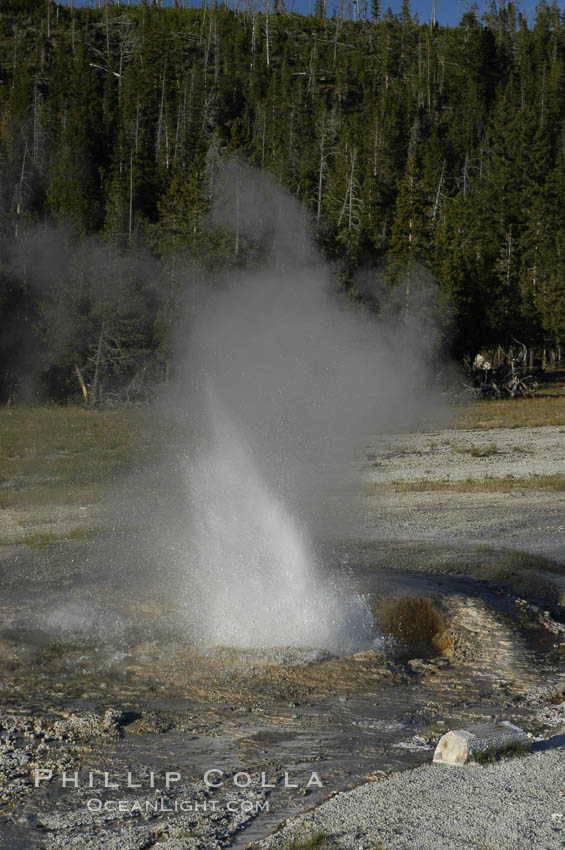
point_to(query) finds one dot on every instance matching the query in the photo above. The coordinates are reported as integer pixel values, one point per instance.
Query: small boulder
(479, 742)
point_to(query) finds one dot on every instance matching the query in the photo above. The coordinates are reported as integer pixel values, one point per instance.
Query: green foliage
(41, 539)
(318, 840)
(408, 145)
(479, 451)
(493, 755)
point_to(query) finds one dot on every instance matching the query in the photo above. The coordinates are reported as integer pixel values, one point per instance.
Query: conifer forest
(415, 151)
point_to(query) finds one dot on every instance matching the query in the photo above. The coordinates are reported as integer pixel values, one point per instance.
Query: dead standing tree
(113, 361)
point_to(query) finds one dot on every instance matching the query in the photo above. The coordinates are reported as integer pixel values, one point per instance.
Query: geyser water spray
(253, 568)
(282, 382)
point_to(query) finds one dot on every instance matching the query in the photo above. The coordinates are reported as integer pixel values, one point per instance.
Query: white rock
(460, 745)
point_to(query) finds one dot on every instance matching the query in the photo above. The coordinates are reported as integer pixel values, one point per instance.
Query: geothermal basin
(99, 681)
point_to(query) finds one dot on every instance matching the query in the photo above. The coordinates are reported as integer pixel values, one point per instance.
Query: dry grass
(40, 540)
(66, 441)
(492, 755)
(414, 624)
(478, 451)
(547, 408)
(318, 840)
(65, 455)
(471, 485)
(47, 494)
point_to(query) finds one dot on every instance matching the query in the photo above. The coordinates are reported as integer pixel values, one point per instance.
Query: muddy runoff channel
(116, 733)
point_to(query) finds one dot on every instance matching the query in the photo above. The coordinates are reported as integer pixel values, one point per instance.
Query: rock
(462, 745)
(418, 665)
(367, 656)
(113, 720)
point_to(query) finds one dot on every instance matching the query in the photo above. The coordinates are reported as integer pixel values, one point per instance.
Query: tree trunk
(98, 366)
(237, 212)
(438, 194)
(82, 384)
(267, 10)
(130, 194)
(321, 172)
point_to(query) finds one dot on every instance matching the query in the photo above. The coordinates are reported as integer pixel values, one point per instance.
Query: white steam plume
(283, 381)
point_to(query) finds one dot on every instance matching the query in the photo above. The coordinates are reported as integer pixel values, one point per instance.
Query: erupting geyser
(252, 567)
(283, 383)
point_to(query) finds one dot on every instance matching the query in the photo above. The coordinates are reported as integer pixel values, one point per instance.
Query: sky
(448, 12)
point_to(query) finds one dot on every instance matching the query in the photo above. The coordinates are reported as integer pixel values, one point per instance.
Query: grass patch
(414, 624)
(67, 455)
(493, 754)
(41, 539)
(314, 841)
(472, 485)
(478, 451)
(547, 408)
(535, 563)
(66, 442)
(47, 494)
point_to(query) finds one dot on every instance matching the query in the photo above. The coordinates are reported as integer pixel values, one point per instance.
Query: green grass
(40, 540)
(493, 755)
(65, 457)
(471, 485)
(533, 563)
(547, 408)
(66, 444)
(68, 455)
(318, 840)
(477, 451)
(47, 494)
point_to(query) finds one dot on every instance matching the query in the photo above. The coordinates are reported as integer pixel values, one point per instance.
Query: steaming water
(255, 581)
(299, 379)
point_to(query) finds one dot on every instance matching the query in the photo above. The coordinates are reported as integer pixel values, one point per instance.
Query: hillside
(417, 152)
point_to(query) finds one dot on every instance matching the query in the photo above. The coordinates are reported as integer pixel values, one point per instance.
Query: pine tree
(409, 236)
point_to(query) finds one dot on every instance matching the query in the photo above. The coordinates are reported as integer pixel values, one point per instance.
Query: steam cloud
(283, 381)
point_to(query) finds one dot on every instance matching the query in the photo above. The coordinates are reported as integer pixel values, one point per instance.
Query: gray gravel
(516, 804)
(455, 455)
(529, 520)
